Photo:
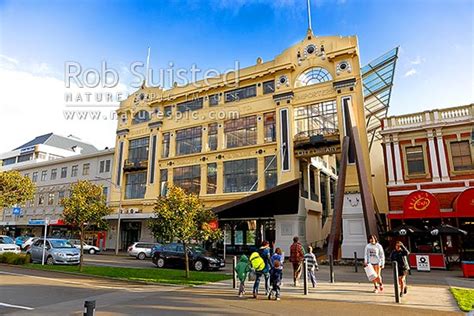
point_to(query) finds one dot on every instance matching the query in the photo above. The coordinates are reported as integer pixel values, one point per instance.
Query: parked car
(57, 251)
(141, 250)
(172, 255)
(155, 248)
(27, 243)
(20, 240)
(87, 248)
(7, 244)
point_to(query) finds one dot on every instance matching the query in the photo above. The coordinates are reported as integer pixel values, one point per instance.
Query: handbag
(370, 272)
(252, 275)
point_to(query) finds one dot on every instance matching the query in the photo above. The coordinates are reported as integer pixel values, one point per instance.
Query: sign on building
(423, 263)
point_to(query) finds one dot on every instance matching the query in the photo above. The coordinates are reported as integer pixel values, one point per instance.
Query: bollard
(89, 308)
(234, 265)
(395, 282)
(355, 261)
(331, 269)
(305, 278)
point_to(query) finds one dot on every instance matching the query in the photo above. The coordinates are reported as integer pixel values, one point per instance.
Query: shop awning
(463, 205)
(280, 200)
(419, 204)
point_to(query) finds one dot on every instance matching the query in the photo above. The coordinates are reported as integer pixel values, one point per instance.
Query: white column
(398, 162)
(442, 156)
(433, 157)
(388, 155)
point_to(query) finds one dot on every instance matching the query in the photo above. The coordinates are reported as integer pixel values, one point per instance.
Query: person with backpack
(296, 259)
(400, 256)
(264, 254)
(375, 256)
(312, 265)
(242, 269)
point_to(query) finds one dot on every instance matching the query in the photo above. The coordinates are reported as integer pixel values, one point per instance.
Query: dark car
(172, 255)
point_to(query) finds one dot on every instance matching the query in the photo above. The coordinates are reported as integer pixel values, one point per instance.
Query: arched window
(141, 117)
(313, 76)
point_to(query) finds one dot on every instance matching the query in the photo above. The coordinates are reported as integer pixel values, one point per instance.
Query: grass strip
(168, 276)
(464, 298)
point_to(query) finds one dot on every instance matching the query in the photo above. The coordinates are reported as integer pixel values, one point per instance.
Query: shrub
(13, 258)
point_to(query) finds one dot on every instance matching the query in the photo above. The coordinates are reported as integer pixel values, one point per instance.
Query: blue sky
(435, 67)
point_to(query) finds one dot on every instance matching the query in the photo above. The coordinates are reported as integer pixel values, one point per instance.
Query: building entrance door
(131, 232)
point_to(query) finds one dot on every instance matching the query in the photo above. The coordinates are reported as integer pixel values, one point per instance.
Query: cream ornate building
(258, 146)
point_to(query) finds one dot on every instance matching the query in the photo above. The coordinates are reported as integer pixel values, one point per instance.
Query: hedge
(13, 258)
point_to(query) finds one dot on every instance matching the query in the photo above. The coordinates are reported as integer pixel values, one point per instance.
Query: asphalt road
(32, 292)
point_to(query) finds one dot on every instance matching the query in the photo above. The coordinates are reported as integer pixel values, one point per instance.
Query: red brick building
(429, 165)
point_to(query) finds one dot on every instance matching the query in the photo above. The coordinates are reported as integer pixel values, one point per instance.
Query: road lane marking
(17, 306)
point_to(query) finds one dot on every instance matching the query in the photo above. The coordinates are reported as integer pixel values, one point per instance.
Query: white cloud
(410, 72)
(33, 103)
(417, 61)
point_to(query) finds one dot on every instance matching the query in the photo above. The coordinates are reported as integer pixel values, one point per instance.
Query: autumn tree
(85, 207)
(15, 189)
(181, 216)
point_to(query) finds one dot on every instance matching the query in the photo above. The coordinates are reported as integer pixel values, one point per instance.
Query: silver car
(140, 250)
(58, 251)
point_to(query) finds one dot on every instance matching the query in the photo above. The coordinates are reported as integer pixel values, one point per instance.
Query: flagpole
(147, 67)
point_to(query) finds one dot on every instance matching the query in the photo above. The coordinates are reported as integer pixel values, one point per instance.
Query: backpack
(256, 261)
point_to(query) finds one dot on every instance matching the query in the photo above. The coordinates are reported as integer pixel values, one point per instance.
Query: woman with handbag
(375, 256)
(400, 256)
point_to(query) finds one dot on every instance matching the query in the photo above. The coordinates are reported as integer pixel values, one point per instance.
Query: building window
(105, 192)
(41, 200)
(26, 157)
(107, 165)
(54, 174)
(192, 105)
(60, 196)
(9, 161)
(85, 169)
(313, 76)
(188, 178)
(211, 178)
(270, 127)
(141, 117)
(240, 175)
(102, 166)
(44, 174)
(269, 87)
(50, 198)
(136, 185)
(415, 160)
(168, 111)
(138, 149)
(163, 181)
(316, 119)
(461, 155)
(240, 93)
(63, 172)
(212, 136)
(214, 100)
(165, 150)
(188, 141)
(34, 177)
(271, 175)
(74, 171)
(241, 132)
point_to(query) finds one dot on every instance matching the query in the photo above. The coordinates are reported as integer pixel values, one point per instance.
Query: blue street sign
(36, 222)
(16, 210)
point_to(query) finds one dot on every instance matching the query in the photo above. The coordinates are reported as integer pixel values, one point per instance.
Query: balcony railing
(135, 164)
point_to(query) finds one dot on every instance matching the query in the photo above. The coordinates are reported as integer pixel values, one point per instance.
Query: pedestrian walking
(312, 265)
(374, 255)
(242, 268)
(278, 255)
(264, 254)
(276, 274)
(400, 256)
(296, 259)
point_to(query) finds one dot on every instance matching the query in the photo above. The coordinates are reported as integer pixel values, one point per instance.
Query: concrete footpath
(428, 297)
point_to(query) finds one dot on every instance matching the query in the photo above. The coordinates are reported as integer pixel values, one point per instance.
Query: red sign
(214, 224)
(421, 204)
(464, 204)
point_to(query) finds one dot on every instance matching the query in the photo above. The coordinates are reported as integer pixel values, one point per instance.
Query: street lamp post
(116, 186)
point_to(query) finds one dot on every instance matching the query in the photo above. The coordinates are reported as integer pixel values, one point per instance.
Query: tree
(182, 216)
(86, 206)
(15, 189)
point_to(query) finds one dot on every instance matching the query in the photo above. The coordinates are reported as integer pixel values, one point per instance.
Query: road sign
(16, 211)
(36, 222)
